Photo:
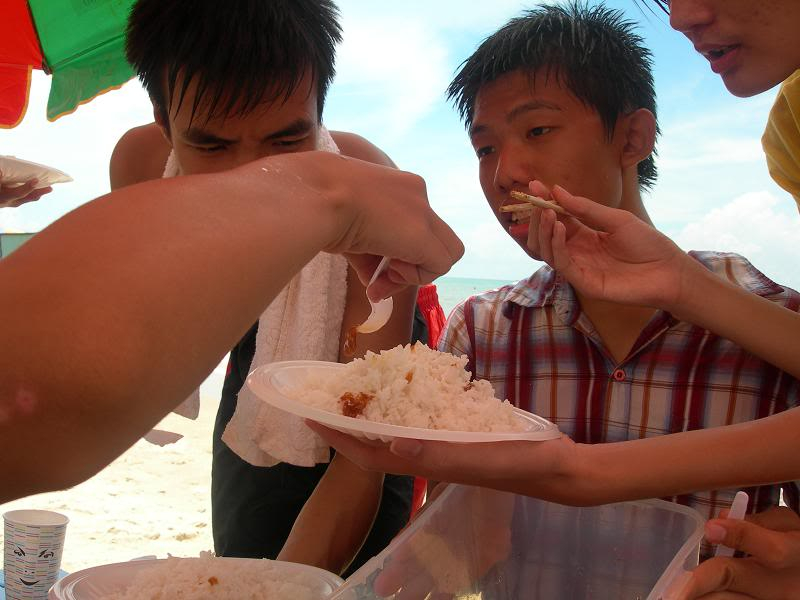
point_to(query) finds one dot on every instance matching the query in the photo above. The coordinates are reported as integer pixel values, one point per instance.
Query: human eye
(291, 142)
(539, 131)
(483, 151)
(209, 149)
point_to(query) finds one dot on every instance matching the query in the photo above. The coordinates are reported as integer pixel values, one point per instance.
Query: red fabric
(19, 52)
(428, 304)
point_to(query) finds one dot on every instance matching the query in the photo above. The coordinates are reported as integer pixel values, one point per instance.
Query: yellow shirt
(781, 139)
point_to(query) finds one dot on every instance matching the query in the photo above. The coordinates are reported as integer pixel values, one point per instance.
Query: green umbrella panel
(83, 42)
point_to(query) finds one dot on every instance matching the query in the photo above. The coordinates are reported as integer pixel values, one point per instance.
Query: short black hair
(594, 51)
(240, 53)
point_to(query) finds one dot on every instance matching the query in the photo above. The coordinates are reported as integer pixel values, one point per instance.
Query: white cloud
(703, 151)
(395, 70)
(760, 226)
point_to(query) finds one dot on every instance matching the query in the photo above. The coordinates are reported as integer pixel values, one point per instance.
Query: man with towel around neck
(218, 105)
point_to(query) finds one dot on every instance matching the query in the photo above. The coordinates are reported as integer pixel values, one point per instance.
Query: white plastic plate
(97, 583)
(268, 381)
(15, 171)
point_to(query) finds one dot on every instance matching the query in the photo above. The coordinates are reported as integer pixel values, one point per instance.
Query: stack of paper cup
(34, 542)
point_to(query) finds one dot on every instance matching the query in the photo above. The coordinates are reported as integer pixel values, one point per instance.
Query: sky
(713, 193)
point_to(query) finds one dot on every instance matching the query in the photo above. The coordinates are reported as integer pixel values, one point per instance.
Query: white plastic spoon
(382, 310)
(378, 316)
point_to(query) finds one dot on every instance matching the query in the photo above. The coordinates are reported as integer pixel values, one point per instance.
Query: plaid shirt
(535, 345)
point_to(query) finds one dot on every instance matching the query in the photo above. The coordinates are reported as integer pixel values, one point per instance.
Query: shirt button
(619, 375)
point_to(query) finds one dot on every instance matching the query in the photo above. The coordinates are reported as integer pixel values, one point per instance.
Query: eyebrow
(298, 127)
(199, 136)
(516, 113)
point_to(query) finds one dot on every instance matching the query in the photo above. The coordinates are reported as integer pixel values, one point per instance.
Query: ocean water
(453, 290)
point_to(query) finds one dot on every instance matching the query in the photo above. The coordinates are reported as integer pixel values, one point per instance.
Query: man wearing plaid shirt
(565, 96)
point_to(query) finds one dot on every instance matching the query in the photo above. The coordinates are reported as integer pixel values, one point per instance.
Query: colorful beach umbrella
(81, 43)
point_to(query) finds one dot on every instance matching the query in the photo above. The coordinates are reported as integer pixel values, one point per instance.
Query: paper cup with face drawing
(34, 541)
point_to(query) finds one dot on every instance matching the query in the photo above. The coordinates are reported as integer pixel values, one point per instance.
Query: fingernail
(715, 533)
(406, 448)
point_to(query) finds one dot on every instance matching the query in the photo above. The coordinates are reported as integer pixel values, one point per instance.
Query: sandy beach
(150, 501)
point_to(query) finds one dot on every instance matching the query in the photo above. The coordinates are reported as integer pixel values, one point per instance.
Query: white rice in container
(211, 578)
(412, 386)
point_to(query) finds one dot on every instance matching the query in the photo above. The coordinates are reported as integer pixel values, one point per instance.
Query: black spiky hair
(594, 51)
(239, 53)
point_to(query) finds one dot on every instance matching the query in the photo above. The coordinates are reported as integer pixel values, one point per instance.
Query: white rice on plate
(412, 386)
(211, 578)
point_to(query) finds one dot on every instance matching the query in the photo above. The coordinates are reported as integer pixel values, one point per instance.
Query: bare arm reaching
(86, 303)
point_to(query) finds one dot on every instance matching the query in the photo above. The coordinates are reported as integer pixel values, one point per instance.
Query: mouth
(713, 54)
(29, 583)
(511, 212)
(721, 57)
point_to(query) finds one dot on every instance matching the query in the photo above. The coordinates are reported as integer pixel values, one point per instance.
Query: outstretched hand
(13, 196)
(608, 253)
(542, 469)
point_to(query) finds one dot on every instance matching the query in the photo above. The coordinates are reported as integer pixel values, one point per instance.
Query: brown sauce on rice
(353, 405)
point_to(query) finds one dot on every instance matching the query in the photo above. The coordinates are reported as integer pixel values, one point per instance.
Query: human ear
(639, 131)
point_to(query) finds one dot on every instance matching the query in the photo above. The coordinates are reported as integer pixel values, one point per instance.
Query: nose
(510, 171)
(687, 16)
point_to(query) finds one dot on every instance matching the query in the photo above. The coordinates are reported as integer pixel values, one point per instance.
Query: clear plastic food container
(475, 543)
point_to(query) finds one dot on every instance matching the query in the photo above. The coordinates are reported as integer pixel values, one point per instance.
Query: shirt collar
(545, 287)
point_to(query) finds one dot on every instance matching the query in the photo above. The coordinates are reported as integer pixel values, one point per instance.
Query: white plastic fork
(381, 311)
(737, 511)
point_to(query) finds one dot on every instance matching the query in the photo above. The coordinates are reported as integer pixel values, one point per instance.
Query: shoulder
(470, 322)
(739, 271)
(355, 146)
(784, 117)
(140, 155)
(791, 88)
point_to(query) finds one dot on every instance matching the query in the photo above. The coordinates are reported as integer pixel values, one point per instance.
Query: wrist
(693, 285)
(565, 476)
(311, 184)
(700, 290)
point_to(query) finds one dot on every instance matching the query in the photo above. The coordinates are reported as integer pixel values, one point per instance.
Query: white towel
(303, 322)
